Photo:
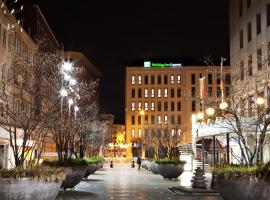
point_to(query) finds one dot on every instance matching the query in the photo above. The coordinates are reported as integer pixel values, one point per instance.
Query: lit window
(139, 79)
(145, 106)
(139, 105)
(159, 119)
(179, 132)
(165, 92)
(133, 132)
(178, 79)
(140, 133)
(153, 106)
(132, 106)
(132, 79)
(145, 93)
(172, 79)
(159, 92)
(173, 132)
(152, 92)
(165, 119)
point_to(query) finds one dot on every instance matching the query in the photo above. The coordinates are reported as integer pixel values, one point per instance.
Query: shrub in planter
(170, 168)
(94, 163)
(33, 183)
(242, 182)
(74, 169)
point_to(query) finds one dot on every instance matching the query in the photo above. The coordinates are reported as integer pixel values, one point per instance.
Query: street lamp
(210, 111)
(260, 101)
(223, 105)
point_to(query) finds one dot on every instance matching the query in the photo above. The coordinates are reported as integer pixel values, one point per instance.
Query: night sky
(115, 34)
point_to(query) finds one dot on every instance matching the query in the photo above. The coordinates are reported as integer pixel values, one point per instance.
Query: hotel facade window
(159, 106)
(179, 119)
(259, 59)
(193, 92)
(133, 93)
(152, 80)
(139, 79)
(172, 93)
(139, 93)
(146, 80)
(133, 120)
(178, 106)
(159, 80)
(133, 132)
(178, 79)
(210, 91)
(242, 70)
(165, 119)
(193, 106)
(146, 119)
(249, 31)
(140, 106)
(145, 106)
(152, 119)
(159, 119)
(172, 119)
(172, 79)
(172, 106)
(165, 105)
(139, 133)
(159, 93)
(166, 93)
(210, 79)
(152, 93)
(178, 92)
(193, 79)
(153, 106)
(250, 70)
(139, 119)
(132, 79)
(132, 106)
(241, 38)
(258, 23)
(240, 7)
(165, 79)
(145, 93)
(268, 14)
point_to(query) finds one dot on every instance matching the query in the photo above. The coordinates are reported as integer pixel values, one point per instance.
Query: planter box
(28, 189)
(153, 168)
(145, 164)
(170, 171)
(73, 177)
(90, 169)
(242, 188)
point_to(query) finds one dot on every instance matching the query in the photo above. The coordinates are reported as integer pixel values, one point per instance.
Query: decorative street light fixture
(223, 105)
(260, 101)
(210, 111)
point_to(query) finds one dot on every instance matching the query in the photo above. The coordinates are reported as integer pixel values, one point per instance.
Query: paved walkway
(124, 183)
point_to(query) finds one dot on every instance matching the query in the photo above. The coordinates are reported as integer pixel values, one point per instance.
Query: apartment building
(167, 95)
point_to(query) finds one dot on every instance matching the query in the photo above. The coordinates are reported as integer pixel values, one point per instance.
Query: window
(268, 53)
(172, 79)
(166, 93)
(178, 106)
(4, 37)
(146, 119)
(152, 80)
(159, 93)
(178, 79)
(258, 23)
(268, 14)
(178, 92)
(259, 59)
(139, 79)
(166, 80)
(140, 106)
(218, 79)
(133, 120)
(165, 119)
(133, 132)
(165, 106)
(248, 3)
(210, 79)
(159, 119)
(179, 119)
(193, 92)
(249, 36)
(145, 106)
(159, 106)
(132, 106)
(153, 106)
(133, 93)
(179, 132)
(241, 39)
(172, 106)
(172, 119)
(172, 93)
(139, 93)
(139, 119)
(152, 92)
(193, 79)
(242, 70)
(152, 119)
(210, 91)
(250, 71)
(146, 80)
(145, 93)
(139, 133)
(159, 79)
(193, 106)
(227, 91)
(227, 78)
(218, 92)
(132, 79)
(240, 8)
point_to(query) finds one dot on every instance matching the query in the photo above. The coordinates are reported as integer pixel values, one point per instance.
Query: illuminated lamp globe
(142, 112)
(76, 108)
(223, 105)
(260, 101)
(210, 111)
(67, 66)
(63, 93)
(200, 116)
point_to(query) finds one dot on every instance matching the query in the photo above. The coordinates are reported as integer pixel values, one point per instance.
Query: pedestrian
(139, 162)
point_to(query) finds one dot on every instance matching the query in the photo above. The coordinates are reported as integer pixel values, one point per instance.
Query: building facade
(167, 96)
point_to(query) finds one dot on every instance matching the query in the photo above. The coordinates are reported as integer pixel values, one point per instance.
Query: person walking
(139, 162)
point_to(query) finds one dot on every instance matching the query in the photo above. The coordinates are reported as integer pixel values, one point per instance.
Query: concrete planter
(242, 188)
(153, 168)
(73, 177)
(146, 164)
(170, 171)
(90, 169)
(99, 165)
(28, 189)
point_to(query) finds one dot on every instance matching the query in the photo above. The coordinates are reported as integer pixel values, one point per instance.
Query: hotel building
(168, 95)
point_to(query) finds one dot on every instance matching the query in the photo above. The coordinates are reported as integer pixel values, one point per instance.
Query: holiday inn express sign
(162, 65)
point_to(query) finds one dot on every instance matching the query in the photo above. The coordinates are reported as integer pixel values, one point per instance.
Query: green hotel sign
(161, 65)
